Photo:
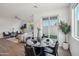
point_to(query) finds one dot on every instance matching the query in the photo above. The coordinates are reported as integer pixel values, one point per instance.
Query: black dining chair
(39, 51)
(45, 36)
(29, 51)
(55, 49)
(33, 50)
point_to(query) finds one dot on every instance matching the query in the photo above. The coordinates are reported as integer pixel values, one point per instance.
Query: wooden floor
(9, 48)
(62, 52)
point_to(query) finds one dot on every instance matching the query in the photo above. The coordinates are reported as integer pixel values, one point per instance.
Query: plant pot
(65, 46)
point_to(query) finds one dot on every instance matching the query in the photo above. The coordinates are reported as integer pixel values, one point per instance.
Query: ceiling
(24, 10)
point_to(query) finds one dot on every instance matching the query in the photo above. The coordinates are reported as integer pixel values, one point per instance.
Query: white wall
(7, 24)
(74, 47)
(63, 14)
(74, 44)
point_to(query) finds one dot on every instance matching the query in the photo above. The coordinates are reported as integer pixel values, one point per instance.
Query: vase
(65, 46)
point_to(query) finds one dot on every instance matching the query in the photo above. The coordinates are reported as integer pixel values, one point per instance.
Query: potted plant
(31, 27)
(65, 29)
(23, 27)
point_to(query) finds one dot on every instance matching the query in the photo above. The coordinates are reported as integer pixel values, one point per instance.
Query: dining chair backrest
(56, 47)
(39, 51)
(45, 36)
(28, 51)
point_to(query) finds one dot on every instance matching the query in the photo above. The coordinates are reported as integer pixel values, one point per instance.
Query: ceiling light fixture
(36, 5)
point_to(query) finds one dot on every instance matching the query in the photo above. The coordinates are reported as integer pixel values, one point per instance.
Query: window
(49, 25)
(75, 21)
(45, 25)
(45, 21)
(53, 20)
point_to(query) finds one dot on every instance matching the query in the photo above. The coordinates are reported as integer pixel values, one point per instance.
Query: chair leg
(34, 51)
(57, 54)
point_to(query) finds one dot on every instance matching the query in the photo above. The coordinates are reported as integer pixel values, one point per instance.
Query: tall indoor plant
(65, 29)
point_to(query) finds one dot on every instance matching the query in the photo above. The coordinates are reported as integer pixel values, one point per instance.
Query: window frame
(74, 26)
(49, 22)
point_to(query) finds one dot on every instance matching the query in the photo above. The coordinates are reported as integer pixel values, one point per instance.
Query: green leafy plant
(31, 25)
(23, 27)
(65, 28)
(52, 36)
